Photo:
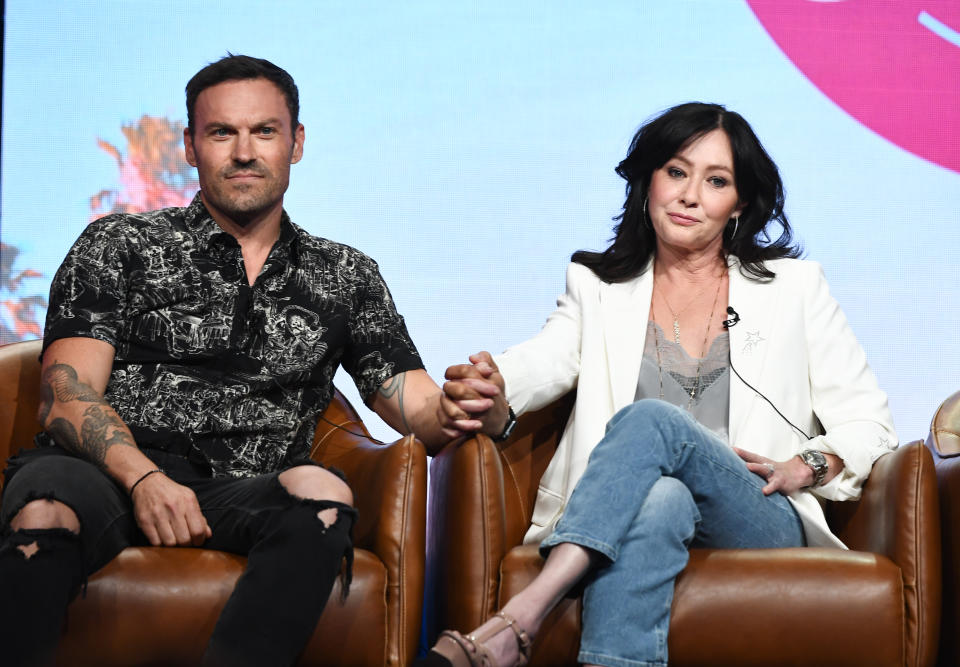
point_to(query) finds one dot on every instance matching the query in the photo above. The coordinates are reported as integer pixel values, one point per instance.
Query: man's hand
(473, 395)
(74, 412)
(168, 513)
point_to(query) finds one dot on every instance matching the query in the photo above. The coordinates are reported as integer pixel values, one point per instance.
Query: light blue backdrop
(469, 148)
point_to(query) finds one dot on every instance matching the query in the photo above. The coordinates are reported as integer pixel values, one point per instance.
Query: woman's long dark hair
(758, 185)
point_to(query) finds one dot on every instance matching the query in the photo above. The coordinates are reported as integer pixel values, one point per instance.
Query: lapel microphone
(733, 320)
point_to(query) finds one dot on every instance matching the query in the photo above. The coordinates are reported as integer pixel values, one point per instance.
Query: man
(187, 355)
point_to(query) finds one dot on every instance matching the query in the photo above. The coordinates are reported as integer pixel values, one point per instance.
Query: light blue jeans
(656, 485)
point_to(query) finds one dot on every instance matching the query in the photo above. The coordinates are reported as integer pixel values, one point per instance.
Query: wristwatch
(508, 429)
(817, 462)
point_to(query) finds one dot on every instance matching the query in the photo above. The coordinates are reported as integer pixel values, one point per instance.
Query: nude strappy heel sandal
(470, 651)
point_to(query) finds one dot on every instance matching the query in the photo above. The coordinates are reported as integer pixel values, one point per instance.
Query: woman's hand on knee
(784, 476)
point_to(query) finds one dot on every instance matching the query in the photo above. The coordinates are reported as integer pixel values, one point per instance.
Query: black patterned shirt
(208, 366)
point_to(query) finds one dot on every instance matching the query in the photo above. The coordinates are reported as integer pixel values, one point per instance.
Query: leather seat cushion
(164, 602)
(730, 605)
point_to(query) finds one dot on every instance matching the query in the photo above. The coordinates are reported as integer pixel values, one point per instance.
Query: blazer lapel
(625, 308)
(756, 304)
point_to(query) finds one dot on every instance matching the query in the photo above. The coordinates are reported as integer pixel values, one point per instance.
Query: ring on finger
(770, 469)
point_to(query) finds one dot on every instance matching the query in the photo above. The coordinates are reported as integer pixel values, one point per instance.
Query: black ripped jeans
(268, 618)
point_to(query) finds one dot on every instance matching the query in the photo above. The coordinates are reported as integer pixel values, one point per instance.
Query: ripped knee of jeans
(46, 547)
(315, 482)
(29, 539)
(339, 516)
(328, 516)
(46, 511)
(335, 521)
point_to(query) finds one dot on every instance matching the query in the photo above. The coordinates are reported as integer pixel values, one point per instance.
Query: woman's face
(693, 196)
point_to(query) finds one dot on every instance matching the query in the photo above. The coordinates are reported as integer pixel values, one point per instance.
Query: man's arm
(74, 413)
(411, 402)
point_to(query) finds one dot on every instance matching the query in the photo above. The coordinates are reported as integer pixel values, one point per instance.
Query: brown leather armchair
(944, 443)
(878, 604)
(158, 606)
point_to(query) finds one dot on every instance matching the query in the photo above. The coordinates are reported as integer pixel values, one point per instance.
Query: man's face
(242, 145)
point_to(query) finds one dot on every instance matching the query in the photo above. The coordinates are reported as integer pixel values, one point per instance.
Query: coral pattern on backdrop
(153, 174)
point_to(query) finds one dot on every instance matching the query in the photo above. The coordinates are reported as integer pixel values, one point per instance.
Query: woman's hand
(473, 395)
(783, 476)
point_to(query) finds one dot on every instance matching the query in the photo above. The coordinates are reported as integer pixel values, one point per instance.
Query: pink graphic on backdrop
(894, 65)
(153, 170)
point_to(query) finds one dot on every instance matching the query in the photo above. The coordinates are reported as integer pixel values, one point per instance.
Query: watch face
(818, 462)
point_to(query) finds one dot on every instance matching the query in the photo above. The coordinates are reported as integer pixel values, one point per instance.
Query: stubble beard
(243, 202)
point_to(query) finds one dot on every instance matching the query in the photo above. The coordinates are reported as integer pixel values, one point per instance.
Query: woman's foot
(504, 640)
(500, 642)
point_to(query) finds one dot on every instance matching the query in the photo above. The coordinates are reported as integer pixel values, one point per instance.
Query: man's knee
(315, 483)
(45, 514)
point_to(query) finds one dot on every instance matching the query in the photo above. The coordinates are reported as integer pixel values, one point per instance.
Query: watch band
(511, 424)
(818, 464)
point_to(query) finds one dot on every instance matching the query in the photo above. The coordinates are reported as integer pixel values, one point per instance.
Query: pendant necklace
(676, 315)
(676, 330)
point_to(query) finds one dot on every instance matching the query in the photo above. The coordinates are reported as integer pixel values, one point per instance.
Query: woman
(666, 449)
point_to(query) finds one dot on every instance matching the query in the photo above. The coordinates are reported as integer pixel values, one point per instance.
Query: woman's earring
(646, 220)
(736, 225)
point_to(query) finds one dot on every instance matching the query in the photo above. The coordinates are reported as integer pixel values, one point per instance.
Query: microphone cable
(732, 322)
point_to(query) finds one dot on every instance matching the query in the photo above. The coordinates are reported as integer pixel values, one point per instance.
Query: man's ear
(298, 137)
(188, 147)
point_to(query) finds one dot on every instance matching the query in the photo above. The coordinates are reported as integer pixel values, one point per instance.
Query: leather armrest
(481, 499)
(944, 439)
(467, 532)
(388, 482)
(944, 443)
(898, 516)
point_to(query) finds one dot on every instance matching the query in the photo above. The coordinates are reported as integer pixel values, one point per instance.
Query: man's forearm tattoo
(64, 433)
(99, 429)
(394, 386)
(63, 382)
(94, 440)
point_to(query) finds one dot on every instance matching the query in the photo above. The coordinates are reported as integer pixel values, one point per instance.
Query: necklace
(706, 335)
(676, 315)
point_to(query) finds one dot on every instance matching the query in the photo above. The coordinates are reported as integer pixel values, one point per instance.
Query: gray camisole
(711, 401)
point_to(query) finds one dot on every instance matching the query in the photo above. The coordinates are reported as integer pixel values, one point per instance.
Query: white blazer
(792, 343)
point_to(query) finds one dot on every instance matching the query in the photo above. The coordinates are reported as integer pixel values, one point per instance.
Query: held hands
(168, 513)
(473, 398)
(783, 476)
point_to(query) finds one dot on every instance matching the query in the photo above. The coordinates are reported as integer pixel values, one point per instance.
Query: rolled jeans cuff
(590, 658)
(559, 537)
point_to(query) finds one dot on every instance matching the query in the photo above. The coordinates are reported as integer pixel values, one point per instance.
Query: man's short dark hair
(238, 68)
